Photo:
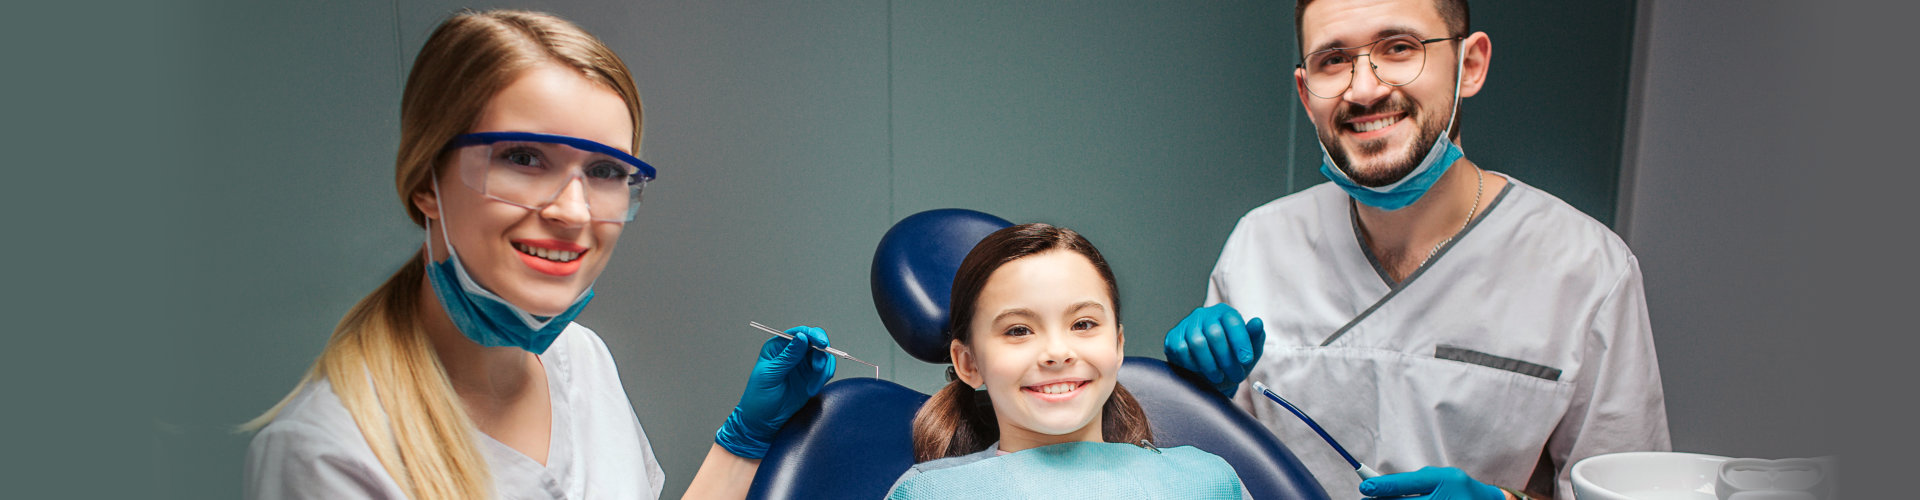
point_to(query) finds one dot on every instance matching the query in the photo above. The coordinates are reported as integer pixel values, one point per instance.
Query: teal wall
(790, 136)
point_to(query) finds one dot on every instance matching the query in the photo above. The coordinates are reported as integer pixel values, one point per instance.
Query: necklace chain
(1479, 184)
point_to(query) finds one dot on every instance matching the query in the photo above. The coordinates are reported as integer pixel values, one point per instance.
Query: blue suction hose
(1363, 470)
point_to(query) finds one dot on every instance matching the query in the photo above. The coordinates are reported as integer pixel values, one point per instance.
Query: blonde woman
(463, 375)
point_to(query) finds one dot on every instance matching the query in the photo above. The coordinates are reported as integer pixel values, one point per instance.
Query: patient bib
(1082, 470)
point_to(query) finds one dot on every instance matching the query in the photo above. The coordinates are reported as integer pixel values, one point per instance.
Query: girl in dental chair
(1034, 408)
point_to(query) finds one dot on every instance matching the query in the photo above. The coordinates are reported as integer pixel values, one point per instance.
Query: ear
(427, 203)
(964, 364)
(1300, 89)
(1121, 331)
(1473, 71)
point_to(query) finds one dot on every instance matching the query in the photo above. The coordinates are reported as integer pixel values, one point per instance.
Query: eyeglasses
(1396, 60)
(530, 170)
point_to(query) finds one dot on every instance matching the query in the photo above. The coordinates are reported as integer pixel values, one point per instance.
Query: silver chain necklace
(1479, 184)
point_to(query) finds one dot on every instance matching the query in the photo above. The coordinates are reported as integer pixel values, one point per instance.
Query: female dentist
(463, 376)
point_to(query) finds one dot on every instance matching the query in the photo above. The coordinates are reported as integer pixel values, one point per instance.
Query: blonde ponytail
(388, 377)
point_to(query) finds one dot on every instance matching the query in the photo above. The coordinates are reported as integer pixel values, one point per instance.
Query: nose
(1366, 88)
(569, 208)
(1058, 352)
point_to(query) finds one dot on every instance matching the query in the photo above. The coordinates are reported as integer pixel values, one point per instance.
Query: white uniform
(597, 449)
(1526, 333)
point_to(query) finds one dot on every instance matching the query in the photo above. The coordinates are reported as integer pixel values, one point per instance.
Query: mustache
(1393, 104)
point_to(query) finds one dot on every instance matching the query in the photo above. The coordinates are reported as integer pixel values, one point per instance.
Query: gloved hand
(1435, 483)
(1215, 343)
(788, 373)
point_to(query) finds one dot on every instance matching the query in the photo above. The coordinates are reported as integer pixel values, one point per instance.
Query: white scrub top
(597, 449)
(1526, 333)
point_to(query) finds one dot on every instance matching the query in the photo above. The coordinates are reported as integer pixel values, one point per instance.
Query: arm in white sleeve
(1618, 404)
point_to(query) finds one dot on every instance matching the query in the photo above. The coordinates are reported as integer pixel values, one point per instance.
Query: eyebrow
(1028, 313)
(1383, 33)
(1085, 305)
(1018, 311)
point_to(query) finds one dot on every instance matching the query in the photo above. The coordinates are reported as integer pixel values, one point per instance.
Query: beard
(1394, 165)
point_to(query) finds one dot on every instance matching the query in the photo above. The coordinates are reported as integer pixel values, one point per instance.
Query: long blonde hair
(409, 413)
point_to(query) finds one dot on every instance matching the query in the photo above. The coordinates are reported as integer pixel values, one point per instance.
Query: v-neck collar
(505, 459)
(1360, 238)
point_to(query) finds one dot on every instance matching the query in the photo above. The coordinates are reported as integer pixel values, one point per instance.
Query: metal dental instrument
(1363, 470)
(829, 350)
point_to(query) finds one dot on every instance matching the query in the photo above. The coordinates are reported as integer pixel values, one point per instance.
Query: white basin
(1646, 475)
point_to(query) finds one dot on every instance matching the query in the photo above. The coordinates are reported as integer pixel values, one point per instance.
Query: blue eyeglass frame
(646, 172)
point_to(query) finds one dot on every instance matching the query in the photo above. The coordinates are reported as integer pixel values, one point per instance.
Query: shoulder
(1198, 459)
(1214, 468)
(314, 449)
(1311, 203)
(951, 462)
(1295, 218)
(943, 463)
(315, 420)
(1543, 222)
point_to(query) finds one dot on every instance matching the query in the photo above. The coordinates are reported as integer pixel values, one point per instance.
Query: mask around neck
(483, 316)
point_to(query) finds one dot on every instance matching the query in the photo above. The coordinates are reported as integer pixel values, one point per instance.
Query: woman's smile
(552, 257)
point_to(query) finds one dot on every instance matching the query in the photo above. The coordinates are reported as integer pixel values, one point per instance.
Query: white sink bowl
(1646, 475)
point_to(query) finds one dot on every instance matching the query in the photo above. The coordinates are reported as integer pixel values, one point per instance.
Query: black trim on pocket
(1452, 353)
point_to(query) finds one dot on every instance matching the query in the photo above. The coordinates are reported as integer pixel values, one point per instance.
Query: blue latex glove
(1436, 483)
(788, 373)
(1215, 343)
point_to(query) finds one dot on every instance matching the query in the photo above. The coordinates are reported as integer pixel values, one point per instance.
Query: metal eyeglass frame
(1354, 72)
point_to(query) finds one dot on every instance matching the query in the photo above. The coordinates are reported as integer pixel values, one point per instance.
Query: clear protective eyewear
(1396, 61)
(531, 170)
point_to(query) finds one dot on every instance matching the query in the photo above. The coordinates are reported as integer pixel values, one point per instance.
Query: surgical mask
(483, 316)
(1408, 189)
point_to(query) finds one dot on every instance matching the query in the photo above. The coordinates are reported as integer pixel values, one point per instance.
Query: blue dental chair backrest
(855, 438)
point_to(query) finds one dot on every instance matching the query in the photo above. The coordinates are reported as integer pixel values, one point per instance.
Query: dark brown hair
(1454, 12)
(954, 422)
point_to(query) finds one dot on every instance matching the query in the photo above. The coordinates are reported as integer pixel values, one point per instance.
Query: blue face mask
(1408, 189)
(484, 317)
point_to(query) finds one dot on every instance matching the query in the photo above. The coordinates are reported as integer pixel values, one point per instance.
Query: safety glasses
(531, 170)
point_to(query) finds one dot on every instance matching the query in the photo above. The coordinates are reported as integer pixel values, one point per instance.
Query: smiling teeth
(1060, 388)
(1374, 125)
(547, 253)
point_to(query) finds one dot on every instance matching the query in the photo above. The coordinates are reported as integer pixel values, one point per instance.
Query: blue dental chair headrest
(913, 271)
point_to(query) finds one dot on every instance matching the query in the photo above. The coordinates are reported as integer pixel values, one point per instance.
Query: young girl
(1035, 408)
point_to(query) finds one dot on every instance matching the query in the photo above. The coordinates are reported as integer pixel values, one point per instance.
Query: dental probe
(1363, 470)
(828, 350)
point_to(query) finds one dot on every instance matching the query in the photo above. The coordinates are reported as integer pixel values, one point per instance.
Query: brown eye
(1399, 47)
(1085, 324)
(1019, 331)
(523, 157)
(607, 171)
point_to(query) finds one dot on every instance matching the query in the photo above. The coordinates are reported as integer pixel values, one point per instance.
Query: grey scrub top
(1526, 335)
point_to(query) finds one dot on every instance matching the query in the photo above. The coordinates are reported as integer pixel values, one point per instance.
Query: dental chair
(855, 438)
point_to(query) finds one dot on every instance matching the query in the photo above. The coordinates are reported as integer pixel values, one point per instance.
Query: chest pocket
(1398, 411)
